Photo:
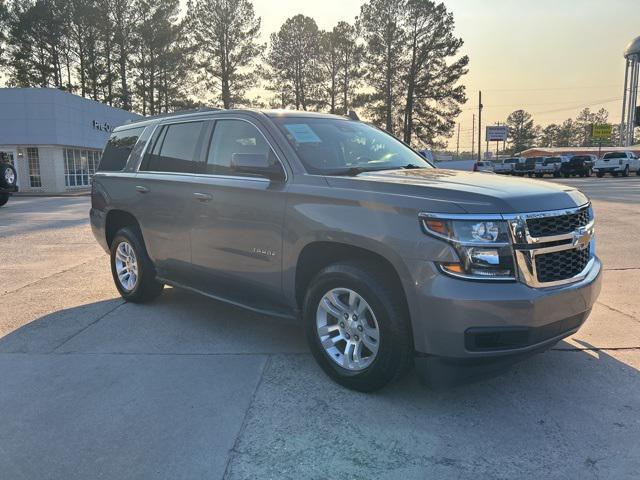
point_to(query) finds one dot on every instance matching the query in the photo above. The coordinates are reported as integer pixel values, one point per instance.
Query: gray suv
(387, 261)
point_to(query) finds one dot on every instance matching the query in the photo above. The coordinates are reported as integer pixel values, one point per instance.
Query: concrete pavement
(92, 387)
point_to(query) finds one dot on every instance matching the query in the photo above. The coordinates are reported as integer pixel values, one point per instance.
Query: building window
(80, 166)
(35, 180)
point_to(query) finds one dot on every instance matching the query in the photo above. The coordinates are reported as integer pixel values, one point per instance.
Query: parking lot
(185, 387)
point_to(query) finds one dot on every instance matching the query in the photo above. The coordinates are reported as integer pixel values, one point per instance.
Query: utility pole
(458, 144)
(473, 137)
(479, 126)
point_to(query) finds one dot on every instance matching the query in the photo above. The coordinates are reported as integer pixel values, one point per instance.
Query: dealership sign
(102, 126)
(497, 133)
(601, 132)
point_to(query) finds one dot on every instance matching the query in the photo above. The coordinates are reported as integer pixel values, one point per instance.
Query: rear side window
(615, 155)
(176, 148)
(118, 149)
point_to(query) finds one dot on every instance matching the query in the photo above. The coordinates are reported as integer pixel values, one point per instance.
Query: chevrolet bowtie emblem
(581, 238)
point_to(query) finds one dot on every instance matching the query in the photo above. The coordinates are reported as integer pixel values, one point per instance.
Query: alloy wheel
(347, 329)
(126, 266)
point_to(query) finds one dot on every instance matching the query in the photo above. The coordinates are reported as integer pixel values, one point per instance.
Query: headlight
(483, 246)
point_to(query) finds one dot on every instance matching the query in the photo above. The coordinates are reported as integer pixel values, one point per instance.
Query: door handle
(203, 197)
(142, 189)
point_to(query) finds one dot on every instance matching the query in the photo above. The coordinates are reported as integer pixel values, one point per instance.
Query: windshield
(511, 160)
(551, 160)
(332, 146)
(615, 155)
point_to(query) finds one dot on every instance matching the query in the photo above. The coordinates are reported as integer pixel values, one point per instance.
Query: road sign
(601, 132)
(497, 133)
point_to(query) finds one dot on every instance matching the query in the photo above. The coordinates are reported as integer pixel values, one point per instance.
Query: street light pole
(479, 125)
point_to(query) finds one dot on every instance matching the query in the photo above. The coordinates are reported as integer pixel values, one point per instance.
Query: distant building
(551, 152)
(54, 138)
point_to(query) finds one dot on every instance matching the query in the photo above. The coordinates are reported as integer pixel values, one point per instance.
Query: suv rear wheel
(357, 327)
(132, 270)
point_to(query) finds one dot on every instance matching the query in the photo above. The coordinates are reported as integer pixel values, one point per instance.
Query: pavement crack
(594, 349)
(35, 282)
(618, 311)
(234, 449)
(88, 326)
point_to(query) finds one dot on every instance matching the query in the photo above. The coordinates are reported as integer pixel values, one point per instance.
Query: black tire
(599, 175)
(539, 175)
(7, 172)
(625, 173)
(4, 198)
(638, 172)
(395, 350)
(567, 175)
(146, 287)
(556, 175)
(614, 174)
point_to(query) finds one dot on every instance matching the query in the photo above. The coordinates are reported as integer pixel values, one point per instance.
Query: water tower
(630, 112)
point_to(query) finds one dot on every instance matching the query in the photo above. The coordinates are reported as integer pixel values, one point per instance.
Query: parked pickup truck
(549, 166)
(385, 260)
(527, 166)
(8, 181)
(617, 163)
(578, 165)
(507, 166)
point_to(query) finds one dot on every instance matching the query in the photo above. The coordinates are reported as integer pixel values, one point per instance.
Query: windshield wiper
(411, 166)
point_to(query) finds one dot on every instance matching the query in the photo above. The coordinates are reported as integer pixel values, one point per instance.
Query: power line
(550, 88)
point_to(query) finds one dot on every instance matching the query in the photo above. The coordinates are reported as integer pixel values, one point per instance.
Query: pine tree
(226, 36)
(522, 131)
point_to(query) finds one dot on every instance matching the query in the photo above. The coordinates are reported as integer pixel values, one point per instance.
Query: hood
(473, 192)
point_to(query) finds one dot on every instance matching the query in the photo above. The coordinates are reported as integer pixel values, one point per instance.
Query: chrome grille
(553, 248)
(549, 226)
(562, 265)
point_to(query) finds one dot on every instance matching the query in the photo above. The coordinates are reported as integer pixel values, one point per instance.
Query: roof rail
(176, 113)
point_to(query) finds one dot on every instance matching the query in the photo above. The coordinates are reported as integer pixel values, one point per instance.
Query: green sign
(601, 132)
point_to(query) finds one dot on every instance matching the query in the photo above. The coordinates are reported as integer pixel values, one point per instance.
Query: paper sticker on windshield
(302, 133)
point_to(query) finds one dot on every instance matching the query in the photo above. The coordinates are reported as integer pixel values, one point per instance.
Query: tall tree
(522, 131)
(124, 21)
(349, 62)
(293, 62)
(549, 136)
(433, 95)
(382, 23)
(35, 41)
(226, 36)
(4, 27)
(329, 61)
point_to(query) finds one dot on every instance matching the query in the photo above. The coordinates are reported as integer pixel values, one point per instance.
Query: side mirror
(256, 164)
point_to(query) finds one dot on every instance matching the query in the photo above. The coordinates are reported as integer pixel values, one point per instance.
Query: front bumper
(617, 168)
(470, 322)
(9, 190)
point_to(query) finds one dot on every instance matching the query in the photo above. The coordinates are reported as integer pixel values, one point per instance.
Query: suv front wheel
(357, 326)
(132, 270)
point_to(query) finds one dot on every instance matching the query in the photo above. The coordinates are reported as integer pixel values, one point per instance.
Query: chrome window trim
(526, 248)
(206, 175)
(212, 119)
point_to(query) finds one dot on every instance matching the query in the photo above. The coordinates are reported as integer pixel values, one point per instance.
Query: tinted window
(231, 139)
(615, 155)
(118, 149)
(511, 160)
(176, 148)
(336, 146)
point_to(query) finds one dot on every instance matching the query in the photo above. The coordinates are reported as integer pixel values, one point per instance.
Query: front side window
(118, 149)
(333, 146)
(176, 148)
(231, 140)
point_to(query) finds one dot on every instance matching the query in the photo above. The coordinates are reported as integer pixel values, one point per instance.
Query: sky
(550, 57)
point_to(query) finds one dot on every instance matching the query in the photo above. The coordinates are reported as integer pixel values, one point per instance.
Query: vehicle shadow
(565, 413)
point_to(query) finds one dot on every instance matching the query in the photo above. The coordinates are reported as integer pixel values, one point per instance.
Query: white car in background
(507, 166)
(550, 166)
(484, 166)
(617, 163)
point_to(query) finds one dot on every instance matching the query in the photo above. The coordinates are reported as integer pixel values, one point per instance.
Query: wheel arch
(116, 220)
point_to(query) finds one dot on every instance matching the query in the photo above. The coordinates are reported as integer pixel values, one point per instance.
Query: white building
(54, 138)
